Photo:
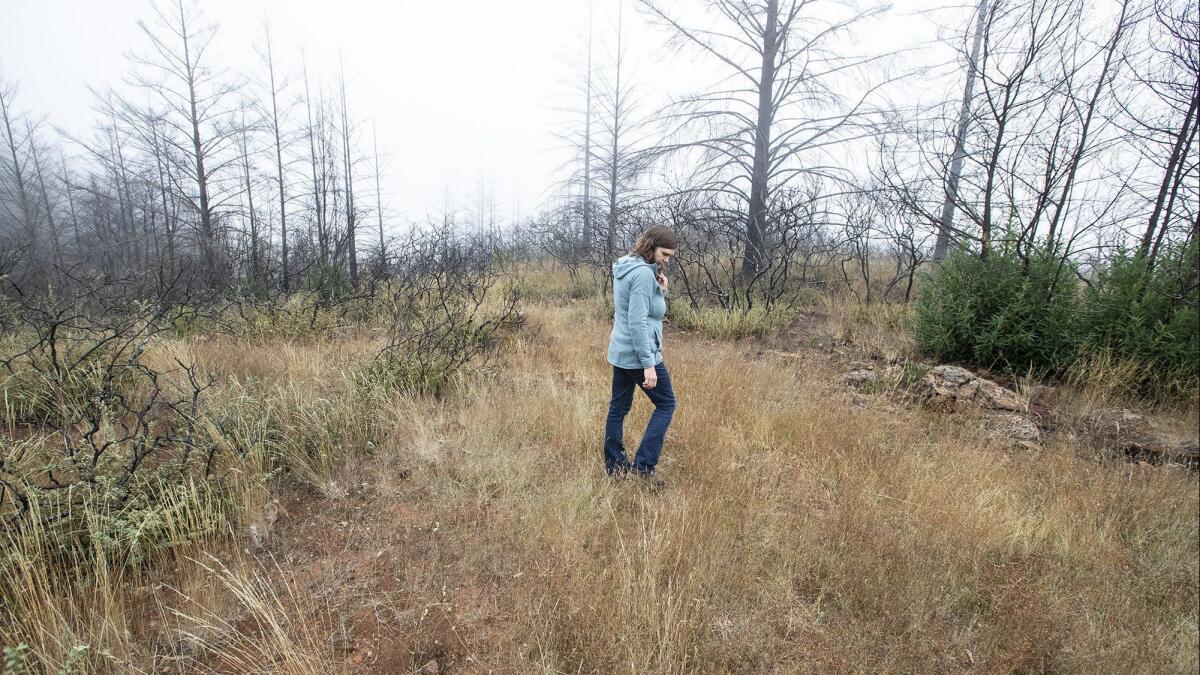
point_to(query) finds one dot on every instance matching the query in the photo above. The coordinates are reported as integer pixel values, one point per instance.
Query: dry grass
(876, 329)
(796, 534)
(734, 324)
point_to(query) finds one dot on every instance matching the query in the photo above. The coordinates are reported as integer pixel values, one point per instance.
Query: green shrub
(1139, 324)
(1145, 317)
(1001, 312)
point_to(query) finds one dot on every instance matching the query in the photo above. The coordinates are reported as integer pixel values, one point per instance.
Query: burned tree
(778, 108)
(197, 113)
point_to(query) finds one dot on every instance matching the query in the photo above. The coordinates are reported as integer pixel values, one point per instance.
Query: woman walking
(635, 351)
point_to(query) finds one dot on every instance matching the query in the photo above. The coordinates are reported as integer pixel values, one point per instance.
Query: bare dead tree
(587, 232)
(275, 115)
(16, 168)
(383, 254)
(621, 160)
(347, 131)
(169, 201)
(256, 246)
(778, 108)
(36, 152)
(198, 105)
(1038, 125)
(65, 180)
(611, 144)
(946, 222)
(1170, 72)
(318, 161)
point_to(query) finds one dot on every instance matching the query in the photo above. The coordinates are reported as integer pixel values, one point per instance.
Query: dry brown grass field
(473, 533)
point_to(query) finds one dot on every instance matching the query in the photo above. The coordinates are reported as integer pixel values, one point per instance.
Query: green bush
(1006, 314)
(1146, 317)
(1000, 312)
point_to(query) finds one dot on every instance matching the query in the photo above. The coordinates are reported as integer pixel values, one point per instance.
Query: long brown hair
(655, 236)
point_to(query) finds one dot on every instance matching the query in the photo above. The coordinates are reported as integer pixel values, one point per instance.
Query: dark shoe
(651, 481)
(618, 473)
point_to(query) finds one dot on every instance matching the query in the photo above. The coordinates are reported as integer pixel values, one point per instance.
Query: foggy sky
(462, 93)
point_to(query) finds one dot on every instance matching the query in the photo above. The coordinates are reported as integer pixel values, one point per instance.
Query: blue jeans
(624, 381)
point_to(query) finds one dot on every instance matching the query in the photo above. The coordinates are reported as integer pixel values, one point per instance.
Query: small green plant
(16, 660)
(912, 372)
(75, 659)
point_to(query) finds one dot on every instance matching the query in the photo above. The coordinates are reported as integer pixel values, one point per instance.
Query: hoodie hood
(626, 264)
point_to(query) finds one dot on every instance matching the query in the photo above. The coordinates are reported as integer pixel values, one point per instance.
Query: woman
(635, 351)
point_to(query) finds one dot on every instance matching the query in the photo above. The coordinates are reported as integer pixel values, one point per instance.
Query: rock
(431, 667)
(260, 532)
(954, 387)
(1117, 424)
(1013, 426)
(258, 536)
(1124, 431)
(858, 378)
(991, 395)
(952, 375)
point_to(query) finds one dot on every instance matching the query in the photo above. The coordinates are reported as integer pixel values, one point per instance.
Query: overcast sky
(461, 92)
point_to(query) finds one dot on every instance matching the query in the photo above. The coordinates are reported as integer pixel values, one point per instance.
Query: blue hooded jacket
(639, 306)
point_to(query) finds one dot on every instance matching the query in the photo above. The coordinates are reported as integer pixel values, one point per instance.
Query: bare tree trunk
(27, 220)
(163, 168)
(66, 181)
(1178, 153)
(587, 152)
(255, 262)
(756, 225)
(208, 237)
(37, 166)
(198, 127)
(1180, 169)
(125, 199)
(283, 231)
(615, 158)
(348, 166)
(946, 224)
(318, 207)
(378, 200)
(1077, 157)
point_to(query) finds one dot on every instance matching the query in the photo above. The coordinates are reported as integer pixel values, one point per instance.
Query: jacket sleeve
(639, 329)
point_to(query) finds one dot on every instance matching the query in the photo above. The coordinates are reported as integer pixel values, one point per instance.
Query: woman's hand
(650, 378)
(662, 282)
